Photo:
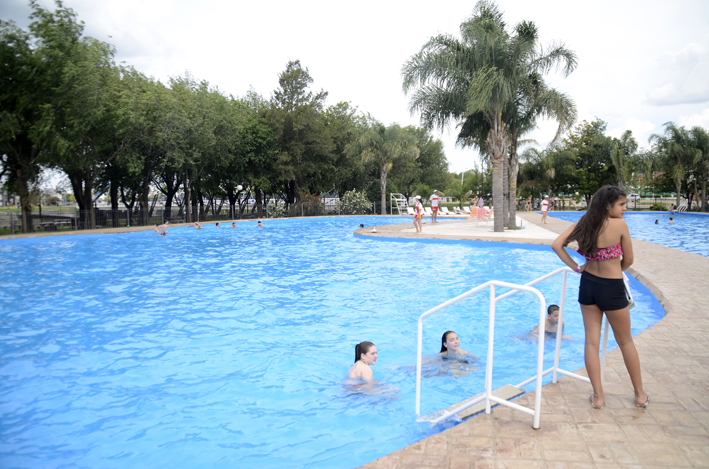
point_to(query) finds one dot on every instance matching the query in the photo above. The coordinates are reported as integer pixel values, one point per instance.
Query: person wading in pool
(551, 323)
(450, 346)
(365, 357)
(602, 288)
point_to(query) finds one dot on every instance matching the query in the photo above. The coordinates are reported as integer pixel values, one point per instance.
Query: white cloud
(687, 70)
(641, 129)
(699, 120)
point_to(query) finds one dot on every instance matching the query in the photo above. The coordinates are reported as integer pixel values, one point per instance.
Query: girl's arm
(558, 247)
(627, 243)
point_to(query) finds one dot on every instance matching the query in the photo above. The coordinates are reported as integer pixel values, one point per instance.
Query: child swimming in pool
(365, 357)
(450, 346)
(551, 323)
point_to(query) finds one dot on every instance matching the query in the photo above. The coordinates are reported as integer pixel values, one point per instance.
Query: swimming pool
(690, 232)
(229, 348)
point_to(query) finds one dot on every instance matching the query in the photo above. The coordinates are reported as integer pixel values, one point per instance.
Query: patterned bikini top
(605, 253)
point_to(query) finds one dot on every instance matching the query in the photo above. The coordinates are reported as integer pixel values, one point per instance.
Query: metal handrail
(487, 396)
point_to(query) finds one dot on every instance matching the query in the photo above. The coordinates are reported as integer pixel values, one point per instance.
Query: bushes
(658, 208)
(355, 203)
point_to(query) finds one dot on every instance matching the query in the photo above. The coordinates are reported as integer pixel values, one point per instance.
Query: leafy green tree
(386, 146)
(679, 154)
(476, 80)
(700, 141)
(593, 164)
(305, 147)
(623, 151)
(549, 167)
(23, 94)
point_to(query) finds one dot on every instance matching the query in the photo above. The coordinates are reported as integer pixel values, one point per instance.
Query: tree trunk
(505, 191)
(114, 202)
(23, 191)
(704, 192)
(187, 201)
(384, 191)
(259, 202)
(679, 188)
(497, 148)
(514, 169)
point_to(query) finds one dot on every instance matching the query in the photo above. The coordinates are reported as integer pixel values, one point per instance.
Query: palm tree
(676, 147)
(475, 80)
(548, 165)
(385, 145)
(622, 152)
(700, 141)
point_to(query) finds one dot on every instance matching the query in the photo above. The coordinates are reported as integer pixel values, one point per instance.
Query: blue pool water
(229, 348)
(690, 232)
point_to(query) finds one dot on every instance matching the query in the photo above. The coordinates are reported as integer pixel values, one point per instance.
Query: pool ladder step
(507, 392)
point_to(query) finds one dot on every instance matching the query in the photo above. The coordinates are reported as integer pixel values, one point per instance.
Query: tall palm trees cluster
(490, 83)
(684, 155)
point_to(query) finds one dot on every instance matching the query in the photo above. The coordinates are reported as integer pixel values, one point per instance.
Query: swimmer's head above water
(367, 352)
(553, 314)
(450, 342)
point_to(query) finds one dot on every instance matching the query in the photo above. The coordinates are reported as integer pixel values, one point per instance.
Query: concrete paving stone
(485, 464)
(423, 460)
(622, 453)
(698, 456)
(563, 455)
(506, 449)
(600, 452)
(663, 460)
(518, 464)
(460, 463)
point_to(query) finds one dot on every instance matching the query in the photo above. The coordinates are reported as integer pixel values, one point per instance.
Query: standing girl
(602, 289)
(418, 214)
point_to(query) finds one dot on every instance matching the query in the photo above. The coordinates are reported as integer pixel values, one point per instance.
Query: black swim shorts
(606, 293)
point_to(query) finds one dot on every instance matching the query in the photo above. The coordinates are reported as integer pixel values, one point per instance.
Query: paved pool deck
(674, 353)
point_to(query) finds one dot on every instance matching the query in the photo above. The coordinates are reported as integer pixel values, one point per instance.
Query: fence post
(302, 214)
(12, 222)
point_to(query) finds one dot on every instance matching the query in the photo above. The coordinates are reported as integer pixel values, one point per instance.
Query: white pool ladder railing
(487, 395)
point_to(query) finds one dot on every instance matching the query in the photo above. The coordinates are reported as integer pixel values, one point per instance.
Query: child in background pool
(260, 225)
(450, 346)
(551, 323)
(365, 357)
(672, 222)
(233, 225)
(657, 222)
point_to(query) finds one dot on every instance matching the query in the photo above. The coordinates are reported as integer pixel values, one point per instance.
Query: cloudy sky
(641, 63)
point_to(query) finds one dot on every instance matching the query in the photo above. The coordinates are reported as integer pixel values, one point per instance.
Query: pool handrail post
(489, 365)
(490, 351)
(541, 336)
(559, 327)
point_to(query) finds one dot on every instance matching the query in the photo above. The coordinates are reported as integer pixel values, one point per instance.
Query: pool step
(507, 392)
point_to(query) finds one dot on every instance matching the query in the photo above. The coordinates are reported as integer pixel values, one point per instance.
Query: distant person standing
(481, 202)
(552, 203)
(434, 206)
(418, 214)
(545, 208)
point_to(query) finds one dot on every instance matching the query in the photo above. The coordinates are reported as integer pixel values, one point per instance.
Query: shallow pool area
(229, 348)
(690, 232)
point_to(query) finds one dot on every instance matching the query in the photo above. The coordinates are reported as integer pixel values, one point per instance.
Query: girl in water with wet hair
(365, 357)
(602, 289)
(450, 345)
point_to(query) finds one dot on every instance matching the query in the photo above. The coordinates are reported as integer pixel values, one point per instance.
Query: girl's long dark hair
(590, 225)
(360, 348)
(443, 341)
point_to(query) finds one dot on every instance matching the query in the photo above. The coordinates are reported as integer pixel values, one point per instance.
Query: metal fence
(100, 218)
